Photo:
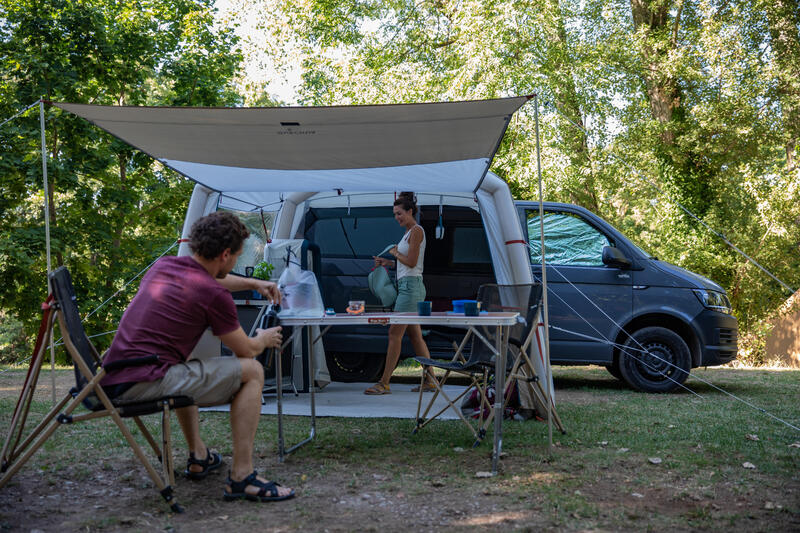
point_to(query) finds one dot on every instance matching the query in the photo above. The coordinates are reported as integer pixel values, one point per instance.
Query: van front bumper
(722, 343)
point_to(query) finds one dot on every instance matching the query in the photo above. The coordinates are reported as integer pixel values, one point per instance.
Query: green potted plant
(263, 270)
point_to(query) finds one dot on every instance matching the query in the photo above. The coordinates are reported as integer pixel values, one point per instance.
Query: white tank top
(402, 247)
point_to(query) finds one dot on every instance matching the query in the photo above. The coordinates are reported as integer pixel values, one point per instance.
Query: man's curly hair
(214, 233)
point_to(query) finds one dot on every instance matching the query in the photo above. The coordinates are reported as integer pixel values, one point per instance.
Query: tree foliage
(651, 109)
(113, 209)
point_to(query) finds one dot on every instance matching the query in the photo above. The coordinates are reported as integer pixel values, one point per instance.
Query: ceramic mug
(424, 308)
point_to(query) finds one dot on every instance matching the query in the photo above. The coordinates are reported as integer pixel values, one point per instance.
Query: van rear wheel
(355, 367)
(655, 359)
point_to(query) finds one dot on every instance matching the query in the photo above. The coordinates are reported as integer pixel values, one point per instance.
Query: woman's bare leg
(396, 332)
(414, 332)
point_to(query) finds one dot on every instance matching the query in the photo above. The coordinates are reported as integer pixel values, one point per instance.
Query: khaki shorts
(210, 382)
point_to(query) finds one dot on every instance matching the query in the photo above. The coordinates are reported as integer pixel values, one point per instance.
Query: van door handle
(640, 287)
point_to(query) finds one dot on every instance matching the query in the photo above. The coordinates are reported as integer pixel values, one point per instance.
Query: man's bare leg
(245, 412)
(189, 419)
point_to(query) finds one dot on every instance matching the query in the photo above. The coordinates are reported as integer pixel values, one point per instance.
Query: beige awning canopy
(245, 152)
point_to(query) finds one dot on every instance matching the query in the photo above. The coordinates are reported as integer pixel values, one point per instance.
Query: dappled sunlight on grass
(494, 518)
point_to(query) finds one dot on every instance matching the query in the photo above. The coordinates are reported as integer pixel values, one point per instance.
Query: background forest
(662, 116)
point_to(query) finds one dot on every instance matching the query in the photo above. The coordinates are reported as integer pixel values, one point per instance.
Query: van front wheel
(655, 359)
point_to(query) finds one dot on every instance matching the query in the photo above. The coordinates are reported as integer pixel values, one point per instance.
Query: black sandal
(267, 492)
(212, 461)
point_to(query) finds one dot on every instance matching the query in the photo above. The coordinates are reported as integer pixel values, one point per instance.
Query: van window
(569, 240)
(355, 236)
(253, 248)
(470, 246)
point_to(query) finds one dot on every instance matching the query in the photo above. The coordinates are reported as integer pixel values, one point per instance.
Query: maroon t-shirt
(177, 300)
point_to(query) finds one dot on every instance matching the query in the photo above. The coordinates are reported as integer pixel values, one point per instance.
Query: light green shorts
(410, 290)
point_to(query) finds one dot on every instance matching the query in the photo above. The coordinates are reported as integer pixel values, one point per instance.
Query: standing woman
(409, 256)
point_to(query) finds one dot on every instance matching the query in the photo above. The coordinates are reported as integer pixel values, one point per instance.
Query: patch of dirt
(531, 494)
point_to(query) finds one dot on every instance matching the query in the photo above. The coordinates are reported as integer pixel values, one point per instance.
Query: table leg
(499, 393)
(279, 398)
(313, 430)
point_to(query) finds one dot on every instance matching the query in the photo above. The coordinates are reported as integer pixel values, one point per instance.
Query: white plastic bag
(299, 293)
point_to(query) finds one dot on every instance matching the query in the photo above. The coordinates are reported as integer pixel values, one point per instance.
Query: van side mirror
(614, 257)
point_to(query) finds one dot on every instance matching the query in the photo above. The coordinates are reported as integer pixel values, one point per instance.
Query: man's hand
(272, 337)
(241, 283)
(268, 289)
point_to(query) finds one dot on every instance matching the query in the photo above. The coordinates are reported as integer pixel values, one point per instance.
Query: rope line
(637, 174)
(125, 285)
(20, 113)
(642, 349)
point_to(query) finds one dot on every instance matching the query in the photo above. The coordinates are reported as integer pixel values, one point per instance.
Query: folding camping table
(500, 320)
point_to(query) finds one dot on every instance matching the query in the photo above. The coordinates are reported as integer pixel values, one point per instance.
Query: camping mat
(348, 400)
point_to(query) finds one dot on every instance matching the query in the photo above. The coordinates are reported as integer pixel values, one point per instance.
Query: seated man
(177, 300)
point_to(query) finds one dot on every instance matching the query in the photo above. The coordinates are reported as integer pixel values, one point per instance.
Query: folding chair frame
(522, 370)
(15, 453)
(479, 377)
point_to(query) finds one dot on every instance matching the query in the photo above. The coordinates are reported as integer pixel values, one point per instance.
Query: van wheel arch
(655, 359)
(669, 322)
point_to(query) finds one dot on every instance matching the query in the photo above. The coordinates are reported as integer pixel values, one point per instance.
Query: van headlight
(717, 301)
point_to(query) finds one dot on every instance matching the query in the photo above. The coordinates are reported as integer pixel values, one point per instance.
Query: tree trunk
(651, 20)
(567, 101)
(784, 19)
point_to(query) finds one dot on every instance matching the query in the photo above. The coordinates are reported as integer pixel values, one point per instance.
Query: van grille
(727, 336)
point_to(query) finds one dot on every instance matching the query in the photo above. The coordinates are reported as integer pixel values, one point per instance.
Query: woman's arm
(414, 242)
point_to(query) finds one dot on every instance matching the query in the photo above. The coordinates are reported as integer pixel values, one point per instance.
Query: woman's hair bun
(408, 201)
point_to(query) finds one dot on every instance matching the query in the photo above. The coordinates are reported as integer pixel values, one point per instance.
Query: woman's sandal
(427, 387)
(212, 461)
(267, 491)
(378, 389)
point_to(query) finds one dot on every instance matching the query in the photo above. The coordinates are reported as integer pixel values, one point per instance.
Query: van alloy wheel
(655, 359)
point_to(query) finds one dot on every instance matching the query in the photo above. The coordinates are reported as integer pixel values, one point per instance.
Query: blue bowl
(458, 305)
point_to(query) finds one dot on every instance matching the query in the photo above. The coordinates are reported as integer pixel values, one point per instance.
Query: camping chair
(479, 367)
(61, 305)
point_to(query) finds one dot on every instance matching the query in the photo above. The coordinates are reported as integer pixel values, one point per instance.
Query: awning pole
(47, 241)
(548, 369)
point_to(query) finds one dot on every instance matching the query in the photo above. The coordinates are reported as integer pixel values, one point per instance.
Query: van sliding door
(586, 298)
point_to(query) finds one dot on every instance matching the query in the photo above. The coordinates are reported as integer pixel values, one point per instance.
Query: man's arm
(240, 283)
(249, 347)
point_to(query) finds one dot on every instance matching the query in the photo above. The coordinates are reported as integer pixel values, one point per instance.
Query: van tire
(355, 367)
(664, 370)
(613, 369)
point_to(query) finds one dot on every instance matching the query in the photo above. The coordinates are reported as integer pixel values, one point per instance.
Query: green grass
(586, 481)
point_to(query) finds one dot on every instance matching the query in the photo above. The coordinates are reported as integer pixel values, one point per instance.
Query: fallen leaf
(751, 436)
(654, 460)
(577, 493)
(483, 474)
(223, 517)
(437, 483)
(515, 478)
(637, 495)
(458, 449)
(748, 465)
(769, 505)
(671, 426)
(623, 450)
(794, 445)
(379, 477)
